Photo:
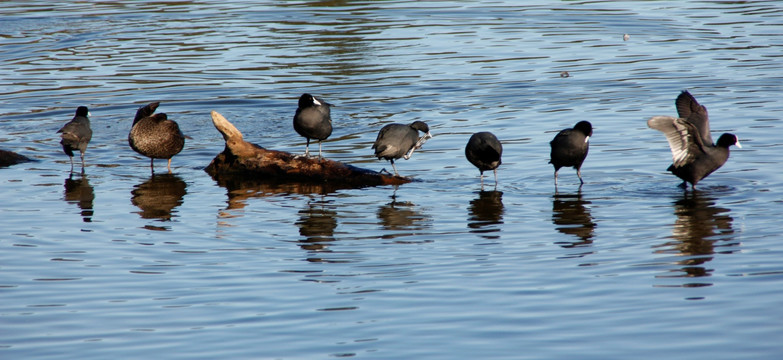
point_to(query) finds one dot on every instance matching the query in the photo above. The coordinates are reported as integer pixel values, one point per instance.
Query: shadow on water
(571, 217)
(316, 225)
(484, 212)
(80, 192)
(698, 229)
(158, 196)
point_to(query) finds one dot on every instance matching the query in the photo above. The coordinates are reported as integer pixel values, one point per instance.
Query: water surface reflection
(80, 192)
(699, 226)
(241, 188)
(158, 196)
(401, 218)
(485, 212)
(316, 225)
(571, 217)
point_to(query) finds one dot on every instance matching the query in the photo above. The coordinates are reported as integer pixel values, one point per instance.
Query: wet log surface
(8, 158)
(241, 159)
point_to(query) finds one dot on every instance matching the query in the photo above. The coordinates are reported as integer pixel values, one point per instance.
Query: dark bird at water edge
(155, 136)
(313, 120)
(570, 147)
(484, 151)
(396, 141)
(694, 156)
(76, 134)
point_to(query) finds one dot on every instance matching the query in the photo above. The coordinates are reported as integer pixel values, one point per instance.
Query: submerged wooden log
(243, 159)
(8, 158)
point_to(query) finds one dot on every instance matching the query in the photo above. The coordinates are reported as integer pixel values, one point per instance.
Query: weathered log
(243, 159)
(8, 158)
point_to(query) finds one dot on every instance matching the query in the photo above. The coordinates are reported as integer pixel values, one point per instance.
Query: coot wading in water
(694, 156)
(313, 120)
(396, 141)
(155, 136)
(569, 148)
(483, 151)
(76, 134)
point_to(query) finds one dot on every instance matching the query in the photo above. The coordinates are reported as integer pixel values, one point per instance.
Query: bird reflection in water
(158, 196)
(316, 225)
(401, 218)
(571, 217)
(80, 192)
(485, 212)
(698, 227)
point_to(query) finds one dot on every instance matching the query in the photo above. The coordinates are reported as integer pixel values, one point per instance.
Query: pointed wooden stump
(243, 159)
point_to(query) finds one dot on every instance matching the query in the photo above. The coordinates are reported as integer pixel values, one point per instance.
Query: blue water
(119, 263)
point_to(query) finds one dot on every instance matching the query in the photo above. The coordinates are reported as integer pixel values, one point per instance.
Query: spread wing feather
(690, 109)
(682, 135)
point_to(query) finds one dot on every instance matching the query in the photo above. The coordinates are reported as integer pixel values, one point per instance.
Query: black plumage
(570, 147)
(155, 136)
(484, 151)
(76, 134)
(313, 120)
(694, 156)
(396, 141)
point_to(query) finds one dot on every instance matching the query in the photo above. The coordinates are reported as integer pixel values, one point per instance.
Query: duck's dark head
(307, 100)
(727, 140)
(82, 111)
(585, 128)
(421, 126)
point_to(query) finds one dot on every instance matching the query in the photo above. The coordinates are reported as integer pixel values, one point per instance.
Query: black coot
(483, 151)
(396, 141)
(694, 156)
(313, 120)
(155, 136)
(569, 148)
(76, 134)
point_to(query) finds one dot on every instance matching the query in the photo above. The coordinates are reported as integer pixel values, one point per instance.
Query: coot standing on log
(155, 136)
(569, 148)
(313, 120)
(483, 151)
(396, 141)
(694, 156)
(76, 134)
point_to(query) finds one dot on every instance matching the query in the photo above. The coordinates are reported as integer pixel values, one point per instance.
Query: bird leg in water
(394, 167)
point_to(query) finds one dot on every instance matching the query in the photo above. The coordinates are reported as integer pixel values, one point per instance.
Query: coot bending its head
(569, 148)
(483, 151)
(396, 141)
(693, 153)
(313, 120)
(76, 134)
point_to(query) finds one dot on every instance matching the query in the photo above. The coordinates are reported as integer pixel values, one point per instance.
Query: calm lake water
(118, 263)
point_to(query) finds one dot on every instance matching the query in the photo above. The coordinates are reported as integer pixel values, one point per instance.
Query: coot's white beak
(316, 102)
(738, 144)
(587, 138)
